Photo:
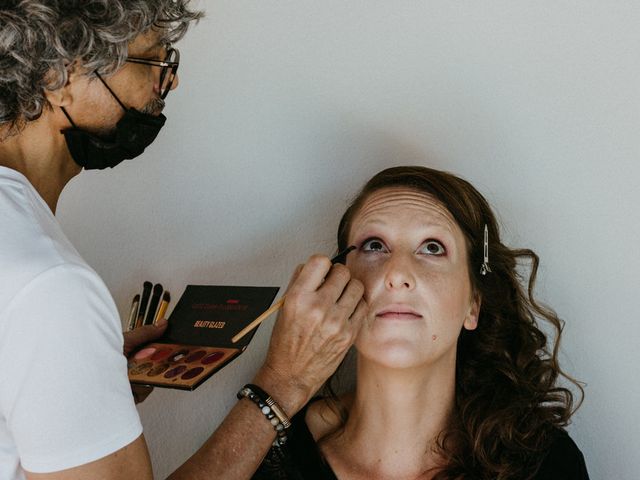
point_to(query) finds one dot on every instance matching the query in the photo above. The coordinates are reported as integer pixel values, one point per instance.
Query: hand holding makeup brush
(320, 318)
(321, 315)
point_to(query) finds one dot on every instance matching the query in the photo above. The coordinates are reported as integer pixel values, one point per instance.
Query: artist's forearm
(309, 340)
(237, 447)
(235, 450)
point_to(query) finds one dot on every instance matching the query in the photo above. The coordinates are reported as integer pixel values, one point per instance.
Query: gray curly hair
(41, 39)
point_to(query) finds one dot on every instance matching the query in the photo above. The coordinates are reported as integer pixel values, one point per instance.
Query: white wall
(286, 108)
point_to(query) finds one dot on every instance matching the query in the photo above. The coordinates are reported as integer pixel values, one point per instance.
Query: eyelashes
(430, 247)
(374, 245)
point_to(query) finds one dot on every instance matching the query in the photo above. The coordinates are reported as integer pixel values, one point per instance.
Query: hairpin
(485, 264)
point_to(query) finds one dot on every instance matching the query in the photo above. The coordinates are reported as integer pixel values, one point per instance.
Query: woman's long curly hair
(40, 40)
(507, 401)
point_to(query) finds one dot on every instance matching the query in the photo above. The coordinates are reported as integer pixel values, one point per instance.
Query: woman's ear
(471, 320)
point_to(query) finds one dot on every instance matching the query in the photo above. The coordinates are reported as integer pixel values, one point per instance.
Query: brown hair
(507, 401)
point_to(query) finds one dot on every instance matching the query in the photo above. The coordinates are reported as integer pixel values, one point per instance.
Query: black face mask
(135, 131)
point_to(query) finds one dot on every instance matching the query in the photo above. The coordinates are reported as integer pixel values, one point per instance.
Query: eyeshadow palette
(197, 342)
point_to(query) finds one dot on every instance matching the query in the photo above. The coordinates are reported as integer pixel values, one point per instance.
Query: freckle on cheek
(434, 337)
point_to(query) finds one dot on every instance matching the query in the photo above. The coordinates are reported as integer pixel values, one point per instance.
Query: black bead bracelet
(270, 409)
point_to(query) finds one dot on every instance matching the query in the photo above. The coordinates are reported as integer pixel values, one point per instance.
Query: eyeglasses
(169, 68)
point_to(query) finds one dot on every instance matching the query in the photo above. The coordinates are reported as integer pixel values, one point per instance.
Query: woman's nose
(399, 274)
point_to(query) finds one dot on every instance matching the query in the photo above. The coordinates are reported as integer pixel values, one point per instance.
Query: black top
(300, 458)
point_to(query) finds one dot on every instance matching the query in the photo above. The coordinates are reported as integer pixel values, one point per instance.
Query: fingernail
(162, 323)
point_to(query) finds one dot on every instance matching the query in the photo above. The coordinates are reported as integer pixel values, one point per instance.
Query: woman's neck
(395, 419)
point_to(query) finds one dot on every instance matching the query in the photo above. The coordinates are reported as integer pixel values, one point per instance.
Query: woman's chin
(395, 354)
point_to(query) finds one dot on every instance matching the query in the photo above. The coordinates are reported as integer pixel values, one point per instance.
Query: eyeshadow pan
(140, 369)
(144, 353)
(174, 372)
(194, 372)
(212, 357)
(161, 354)
(158, 369)
(195, 356)
(179, 355)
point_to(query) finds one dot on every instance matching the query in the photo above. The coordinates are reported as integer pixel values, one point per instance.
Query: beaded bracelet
(269, 409)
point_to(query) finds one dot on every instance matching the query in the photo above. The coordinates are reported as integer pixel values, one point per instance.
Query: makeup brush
(146, 293)
(162, 309)
(133, 314)
(153, 304)
(339, 258)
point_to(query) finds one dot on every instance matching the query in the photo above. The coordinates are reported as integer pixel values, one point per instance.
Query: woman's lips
(398, 312)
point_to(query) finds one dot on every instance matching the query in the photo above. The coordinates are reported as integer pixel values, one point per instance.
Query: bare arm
(317, 325)
(236, 448)
(131, 461)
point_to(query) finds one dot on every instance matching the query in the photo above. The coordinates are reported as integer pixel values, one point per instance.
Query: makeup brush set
(149, 307)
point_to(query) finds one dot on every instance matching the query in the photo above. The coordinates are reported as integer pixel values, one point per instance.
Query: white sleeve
(64, 390)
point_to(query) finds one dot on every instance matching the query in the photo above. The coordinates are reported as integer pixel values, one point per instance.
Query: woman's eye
(373, 245)
(432, 247)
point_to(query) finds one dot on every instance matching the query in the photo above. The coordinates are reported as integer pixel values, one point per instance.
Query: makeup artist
(83, 85)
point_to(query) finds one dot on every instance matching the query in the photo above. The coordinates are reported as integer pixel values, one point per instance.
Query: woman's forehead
(389, 203)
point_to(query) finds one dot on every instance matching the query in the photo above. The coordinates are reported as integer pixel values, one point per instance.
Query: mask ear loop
(66, 114)
(485, 264)
(110, 91)
(68, 117)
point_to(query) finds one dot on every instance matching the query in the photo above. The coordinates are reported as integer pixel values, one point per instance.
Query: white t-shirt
(64, 395)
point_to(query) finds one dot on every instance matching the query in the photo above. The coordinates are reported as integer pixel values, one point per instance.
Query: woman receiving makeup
(455, 377)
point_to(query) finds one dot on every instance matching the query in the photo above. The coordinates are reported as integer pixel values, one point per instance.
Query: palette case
(197, 342)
